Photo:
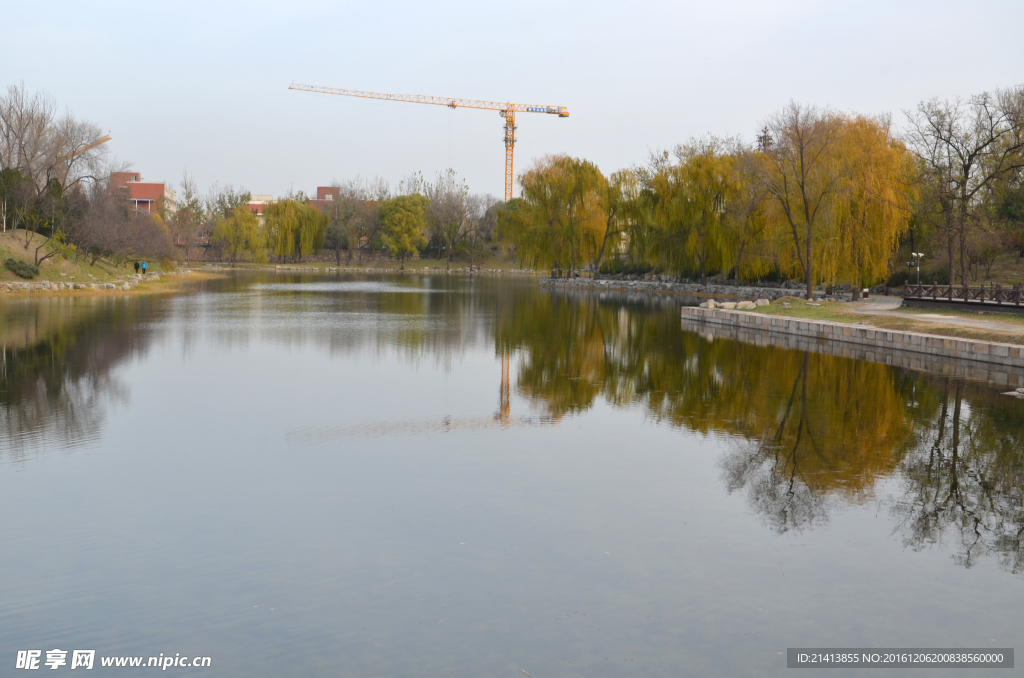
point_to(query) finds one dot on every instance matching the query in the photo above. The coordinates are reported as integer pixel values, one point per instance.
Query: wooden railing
(993, 294)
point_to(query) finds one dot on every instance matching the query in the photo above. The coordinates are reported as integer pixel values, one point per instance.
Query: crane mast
(507, 111)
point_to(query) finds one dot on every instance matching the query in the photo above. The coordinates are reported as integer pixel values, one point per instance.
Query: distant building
(146, 196)
(258, 203)
(325, 197)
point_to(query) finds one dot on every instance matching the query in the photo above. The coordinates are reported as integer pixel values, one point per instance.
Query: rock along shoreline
(130, 282)
(742, 292)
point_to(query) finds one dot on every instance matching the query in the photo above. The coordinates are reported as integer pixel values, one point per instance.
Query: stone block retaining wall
(692, 289)
(990, 361)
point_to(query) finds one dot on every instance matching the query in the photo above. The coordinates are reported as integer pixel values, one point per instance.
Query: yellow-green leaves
(240, 234)
(404, 221)
(689, 196)
(560, 221)
(295, 228)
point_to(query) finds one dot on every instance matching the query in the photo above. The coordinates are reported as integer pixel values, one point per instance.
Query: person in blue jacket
(143, 268)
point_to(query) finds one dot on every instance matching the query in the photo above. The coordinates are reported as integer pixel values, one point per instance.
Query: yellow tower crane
(88, 147)
(506, 110)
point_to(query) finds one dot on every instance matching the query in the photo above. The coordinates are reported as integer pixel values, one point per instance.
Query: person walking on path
(143, 268)
(136, 268)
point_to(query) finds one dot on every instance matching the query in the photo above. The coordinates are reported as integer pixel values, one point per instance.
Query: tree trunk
(952, 259)
(739, 260)
(963, 254)
(808, 271)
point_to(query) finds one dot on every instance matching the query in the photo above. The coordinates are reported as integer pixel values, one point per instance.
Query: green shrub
(928, 277)
(21, 268)
(615, 265)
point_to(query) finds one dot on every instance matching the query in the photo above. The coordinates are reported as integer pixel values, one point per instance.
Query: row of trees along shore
(54, 185)
(824, 196)
(362, 218)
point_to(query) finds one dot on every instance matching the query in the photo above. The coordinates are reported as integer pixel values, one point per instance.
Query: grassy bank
(58, 269)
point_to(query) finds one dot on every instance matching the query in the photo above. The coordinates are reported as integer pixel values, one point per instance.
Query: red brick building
(325, 197)
(146, 196)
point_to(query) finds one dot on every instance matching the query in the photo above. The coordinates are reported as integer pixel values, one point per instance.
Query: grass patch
(55, 269)
(835, 312)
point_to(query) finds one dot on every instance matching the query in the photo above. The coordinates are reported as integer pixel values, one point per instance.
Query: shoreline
(1000, 363)
(134, 283)
(742, 292)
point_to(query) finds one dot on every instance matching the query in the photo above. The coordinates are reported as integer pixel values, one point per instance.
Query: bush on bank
(21, 268)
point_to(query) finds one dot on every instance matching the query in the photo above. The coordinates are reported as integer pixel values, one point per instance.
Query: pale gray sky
(204, 85)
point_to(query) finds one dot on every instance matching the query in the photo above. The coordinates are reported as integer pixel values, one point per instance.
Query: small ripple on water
(356, 286)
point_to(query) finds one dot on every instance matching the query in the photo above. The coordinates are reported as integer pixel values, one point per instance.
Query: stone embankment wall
(411, 269)
(998, 363)
(46, 286)
(691, 289)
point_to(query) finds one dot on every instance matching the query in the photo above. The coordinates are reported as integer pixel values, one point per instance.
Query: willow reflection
(808, 430)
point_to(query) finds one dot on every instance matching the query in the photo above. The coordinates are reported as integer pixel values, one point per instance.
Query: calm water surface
(430, 476)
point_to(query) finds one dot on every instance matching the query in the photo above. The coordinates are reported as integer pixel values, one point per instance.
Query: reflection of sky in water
(348, 286)
(332, 484)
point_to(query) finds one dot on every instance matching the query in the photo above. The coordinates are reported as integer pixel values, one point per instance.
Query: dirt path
(890, 306)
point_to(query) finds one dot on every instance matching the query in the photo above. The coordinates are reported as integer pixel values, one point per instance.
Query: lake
(373, 475)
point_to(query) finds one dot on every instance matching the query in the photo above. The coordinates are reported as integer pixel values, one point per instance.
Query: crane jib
(507, 110)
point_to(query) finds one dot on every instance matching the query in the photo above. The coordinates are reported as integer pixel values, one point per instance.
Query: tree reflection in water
(810, 431)
(56, 367)
(962, 484)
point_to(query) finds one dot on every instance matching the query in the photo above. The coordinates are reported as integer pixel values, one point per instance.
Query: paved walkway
(889, 305)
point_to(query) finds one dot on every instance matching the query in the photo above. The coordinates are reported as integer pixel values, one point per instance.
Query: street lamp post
(916, 261)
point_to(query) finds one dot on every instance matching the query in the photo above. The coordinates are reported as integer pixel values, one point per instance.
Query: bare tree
(799, 173)
(448, 217)
(44, 146)
(184, 224)
(966, 146)
(482, 213)
(111, 227)
(375, 192)
(344, 213)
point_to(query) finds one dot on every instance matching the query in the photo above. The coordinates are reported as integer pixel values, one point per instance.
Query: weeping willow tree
(874, 209)
(688, 196)
(295, 229)
(623, 207)
(240, 234)
(560, 220)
